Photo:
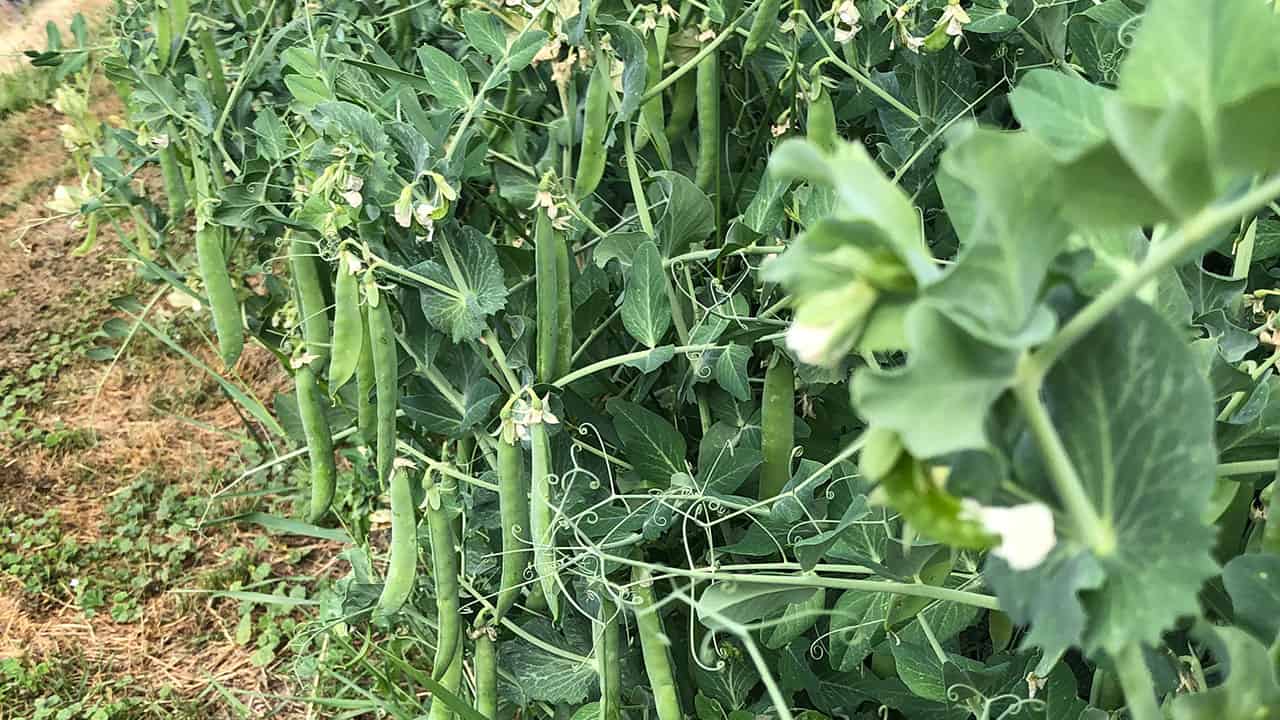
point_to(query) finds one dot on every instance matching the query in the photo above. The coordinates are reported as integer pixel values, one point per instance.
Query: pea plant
(862, 359)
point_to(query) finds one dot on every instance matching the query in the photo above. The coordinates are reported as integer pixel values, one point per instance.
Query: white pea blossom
(810, 343)
(353, 198)
(1026, 531)
(956, 18)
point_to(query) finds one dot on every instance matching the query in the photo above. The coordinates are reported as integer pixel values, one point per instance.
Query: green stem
(1093, 531)
(1135, 679)
(1190, 236)
(1247, 467)
(617, 360)
(692, 62)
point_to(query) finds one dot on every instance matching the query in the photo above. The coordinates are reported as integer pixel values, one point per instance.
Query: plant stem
(692, 63)
(1248, 467)
(617, 360)
(1093, 531)
(1187, 238)
(1135, 679)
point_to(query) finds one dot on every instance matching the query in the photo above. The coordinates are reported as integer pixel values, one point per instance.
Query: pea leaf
(1253, 581)
(938, 404)
(653, 446)
(1250, 691)
(469, 266)
(646, 309)
(449, 83)
(1111, 397)
(485, 32)
(1064, 112)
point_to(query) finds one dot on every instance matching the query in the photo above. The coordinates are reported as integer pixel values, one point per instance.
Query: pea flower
(1026, 531)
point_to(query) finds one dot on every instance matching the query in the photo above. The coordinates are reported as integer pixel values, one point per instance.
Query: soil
(23, 29)
(149, 412)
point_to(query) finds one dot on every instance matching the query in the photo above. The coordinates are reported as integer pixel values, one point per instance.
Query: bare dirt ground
(150, 414)
(24, 29)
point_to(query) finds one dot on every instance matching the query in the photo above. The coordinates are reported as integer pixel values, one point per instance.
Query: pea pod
(707, 171)
(608, 650)
(222, 296)
(777, 420)
(348, 324)
(683, 102)
(486, 660)
(382, 350)
(211, 67)
(541, 525)
(310, 296)
(762, 26)
(655, 647)
(402, 563)
(513, 507)
(366, 412)
(547, 279)
(651, 113)
(175, 187)
(444, 572)
(315, 427)
(564, 305)
(928, 507)
(821, 127)
(591, 158)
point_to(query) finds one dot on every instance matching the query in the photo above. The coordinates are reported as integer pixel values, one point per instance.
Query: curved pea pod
(222, 296)
(486, 662)
(348, 324)
(592, 157)
(402, 562)
(762, 26)
(821, 128)
(315, 427)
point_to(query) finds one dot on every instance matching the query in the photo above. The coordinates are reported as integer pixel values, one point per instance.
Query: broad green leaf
(683, 213)
(858, 622)
(922, 670)
(629, 46)
(654, 447)
(544, 676)
(796, 618)
(449, 82)
(524, 48)
(809, 551)
(731, 371)
(485, 32)
(938, 404)
(646, 308)
(1250, 690)
(468, 264)
(1007, 181)
(747, 603)
(1253, 581)
(1063, 111)
(1111, 397)
(722, 467)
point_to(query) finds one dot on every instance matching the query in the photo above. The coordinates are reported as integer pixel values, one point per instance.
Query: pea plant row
(721, 359)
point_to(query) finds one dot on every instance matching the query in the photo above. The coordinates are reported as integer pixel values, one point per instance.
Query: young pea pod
(651, 113)
(762, 26)
(513, 507)
(591, 158)
(655, 646)
(402, 562)
(683, 102)
(541, 513)
(310, 294)
(777, 421)
(348, 324)
(707, 171)
(444, 571)
(486, 660)
(211, 67)
(315, 426)
(175, 186)
(821, 127)
(547, 279)
(564, 306)
(222, 296)
(366, 411)
(382, 350)
(608, 649)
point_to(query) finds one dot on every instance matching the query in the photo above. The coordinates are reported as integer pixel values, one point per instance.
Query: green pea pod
(541, 515)
(564, 306)
(402, 561)
(707, 171)
(591, 158)
(655, 647)
(310, 295)
(486, 660)
(513, 508)
(382, 349)
(762, 26)
(547, 279)
(160, 21)
(931, 509)
(175, 187)
(683, 102)
(821, 127)
(777, 420)
(366, 411)
(608, 650)
(222, 296)
(315, 427)
(348, 325)
(211, 66)
(444, 571)
(651, 113)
